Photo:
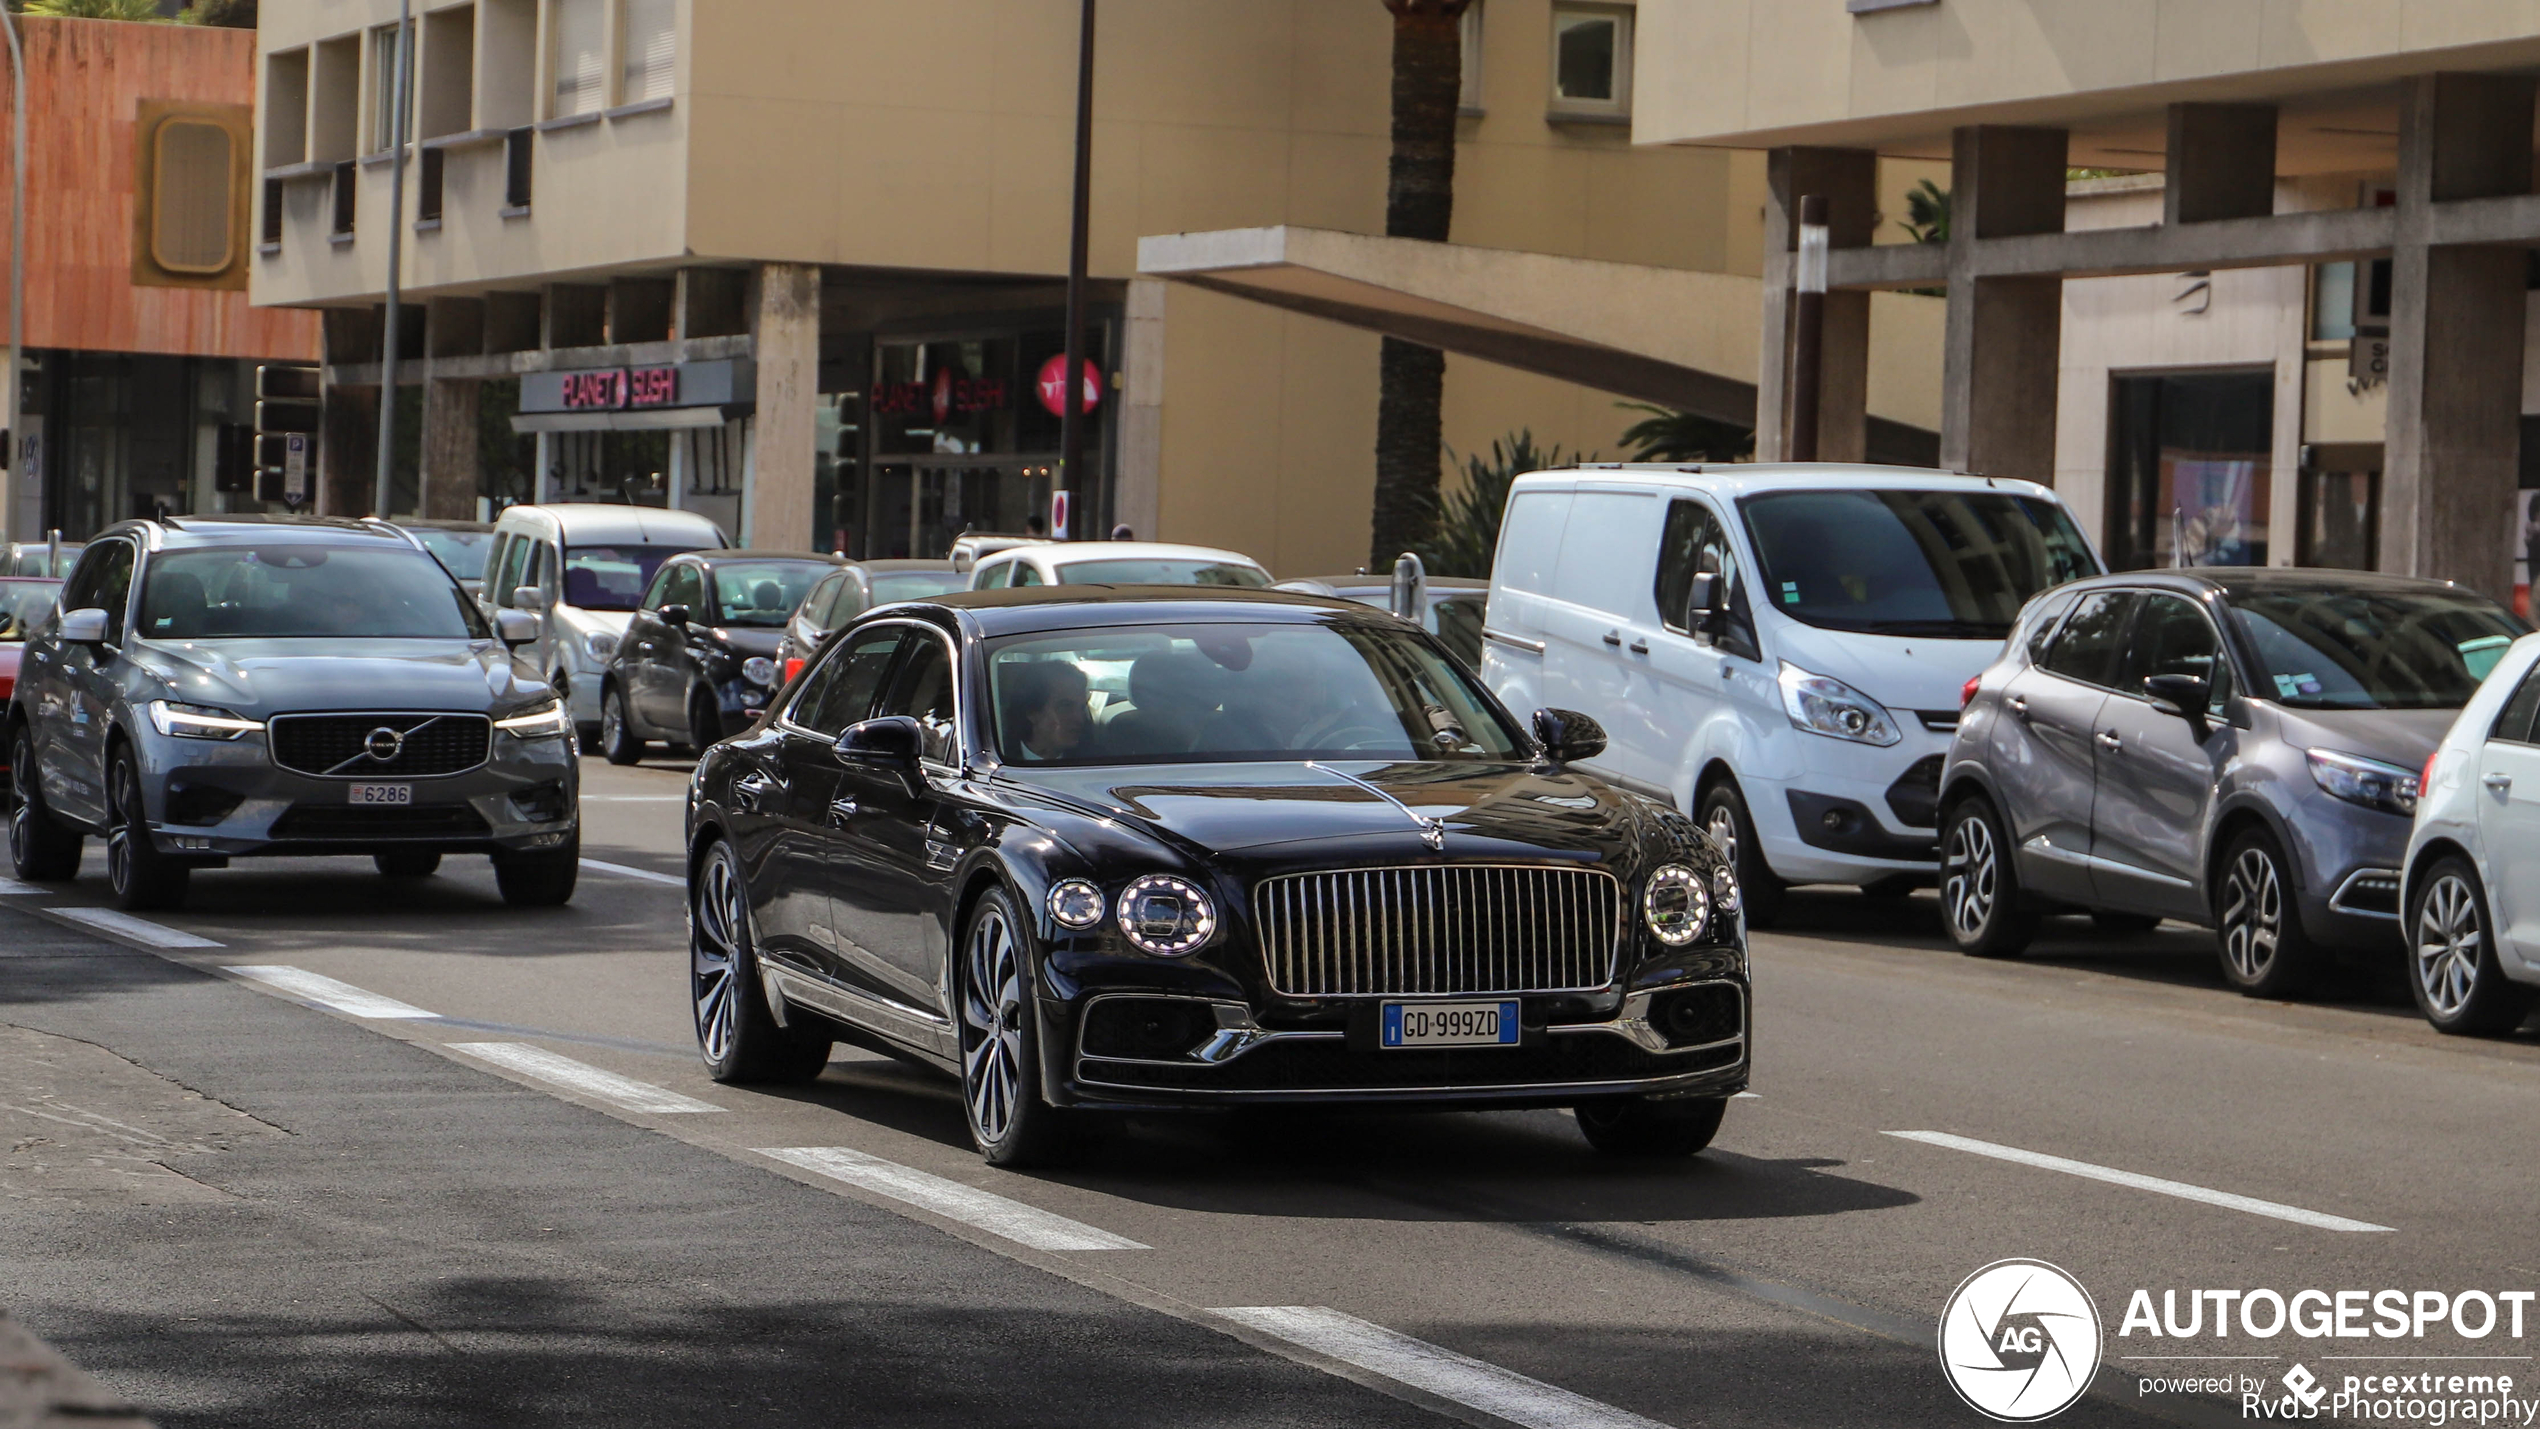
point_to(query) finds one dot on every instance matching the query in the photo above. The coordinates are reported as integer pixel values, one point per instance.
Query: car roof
(440, 523)
(246, 530)
(2236, 581)
(1383, 583)
(885, 567)
(1028, 608)
(733, 554)
(1757, 478)
(608, 521)
(1060, 552)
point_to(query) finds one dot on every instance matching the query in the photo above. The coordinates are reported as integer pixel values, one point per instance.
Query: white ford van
(1800, 702)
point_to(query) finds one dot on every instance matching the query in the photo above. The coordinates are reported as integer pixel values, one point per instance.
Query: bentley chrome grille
(1458, 928)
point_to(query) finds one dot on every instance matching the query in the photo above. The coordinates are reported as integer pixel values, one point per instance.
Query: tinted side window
(686, 586)
(104, 580)
(2514, 721)
(505, 576)
(659, 595)
(2171, 637)
(923, 688)
(2090, 643)
(815, 611)
(1025, 573)
(841, 691)
(2041, 623)
(1695, 543)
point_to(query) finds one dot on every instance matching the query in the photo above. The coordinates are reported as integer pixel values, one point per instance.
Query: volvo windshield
(2321, 648)
(1954, 565)
(305, 591)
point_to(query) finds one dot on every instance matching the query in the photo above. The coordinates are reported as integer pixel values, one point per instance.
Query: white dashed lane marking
(139, 930)
(1475, 1384)
(2185, 1192)
(327, 992)
(11, 888)
(986, 1210)
(625, 1093)
(620, 870)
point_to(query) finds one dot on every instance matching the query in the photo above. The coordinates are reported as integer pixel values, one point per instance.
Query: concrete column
(2456, 337)
(1848, 181)
(1137, 496)
(785, 333)
(453, 463)
(681, 444)
(348, 451)
(2221, 163)
(2004, 335)
(542, 482)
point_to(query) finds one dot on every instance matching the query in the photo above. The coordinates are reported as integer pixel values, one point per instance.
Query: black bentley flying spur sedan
(1093, 848)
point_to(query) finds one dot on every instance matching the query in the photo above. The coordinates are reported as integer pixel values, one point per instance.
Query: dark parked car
(215, 688)
(2236, 747)
(850, 591)
(1153, 847)
(699, 655)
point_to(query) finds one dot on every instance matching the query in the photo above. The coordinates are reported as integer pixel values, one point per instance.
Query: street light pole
(1071, 422)
(12, 462)
(396, 262)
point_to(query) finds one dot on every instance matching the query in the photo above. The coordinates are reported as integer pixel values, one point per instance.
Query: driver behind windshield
(1048, 710)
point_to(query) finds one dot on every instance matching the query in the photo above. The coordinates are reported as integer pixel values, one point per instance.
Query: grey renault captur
(221, 687)
(2236, 747)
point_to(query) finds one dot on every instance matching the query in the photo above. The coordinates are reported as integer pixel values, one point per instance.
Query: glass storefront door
(2190, 469)
(917, 510)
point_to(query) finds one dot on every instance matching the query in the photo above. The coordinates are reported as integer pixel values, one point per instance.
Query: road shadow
(42, 962)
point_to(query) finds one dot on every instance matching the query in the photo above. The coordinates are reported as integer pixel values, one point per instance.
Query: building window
(581, 30)
(190, 200)
(383, 90)
(1470, 98)
(1591, 59)
(651, 49)
(2190, 461)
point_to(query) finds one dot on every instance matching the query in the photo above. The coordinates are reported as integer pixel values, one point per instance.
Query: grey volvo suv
(213, 688)
(2235, 747)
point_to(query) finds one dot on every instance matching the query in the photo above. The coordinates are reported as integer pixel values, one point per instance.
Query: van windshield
(1951, 565)
(612, 577)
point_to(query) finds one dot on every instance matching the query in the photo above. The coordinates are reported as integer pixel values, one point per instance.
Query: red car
(24, 603)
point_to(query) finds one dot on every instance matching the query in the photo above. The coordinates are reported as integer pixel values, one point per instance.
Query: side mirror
(84, 627)
(2181, 695)
(674, 615)
(515, 627)
(1707, 605)
(891, 742)
(1568, 736)
(530, 598)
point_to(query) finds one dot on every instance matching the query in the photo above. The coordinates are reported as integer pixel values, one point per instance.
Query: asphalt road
(236, 1205)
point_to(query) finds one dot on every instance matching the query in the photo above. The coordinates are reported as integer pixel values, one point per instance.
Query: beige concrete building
(802, 257)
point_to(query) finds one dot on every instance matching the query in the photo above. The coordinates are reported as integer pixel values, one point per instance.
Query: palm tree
(1428, 75)
(94, 9)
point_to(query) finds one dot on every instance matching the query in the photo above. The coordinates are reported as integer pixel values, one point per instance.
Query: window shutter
(190, 208)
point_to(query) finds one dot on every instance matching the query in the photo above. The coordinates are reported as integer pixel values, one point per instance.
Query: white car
(1779, 651)
(581, 568)
(2472, 887)
(1116, 563)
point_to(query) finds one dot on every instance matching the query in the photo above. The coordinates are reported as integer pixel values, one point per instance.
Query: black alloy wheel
(1980, 900)
(1723, 815)
(2452, 969)
(2257, 927)
(143, 878)
(407, 862)
(736, 1033)
(1643, 1126)
(705, 720)
(42, 849)
(539, 878)
(1000, 1042)
(618, 743)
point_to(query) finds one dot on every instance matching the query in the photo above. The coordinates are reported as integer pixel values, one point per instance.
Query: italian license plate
(1450, 1024)
(382, 795)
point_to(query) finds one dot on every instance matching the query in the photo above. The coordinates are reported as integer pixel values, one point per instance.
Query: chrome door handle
(1613, 637)
(2019, 705)
(2501, 783)
(841, 810)
(2110, 742)
(1640, 647)
(750, 788)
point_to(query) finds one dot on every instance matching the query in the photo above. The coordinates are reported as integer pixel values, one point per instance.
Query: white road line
(622, 871)
(11, 888)
(998, 1215)
(634, 798)
(2180, 1189)
(140, 930)
(546, 1066)
(1473, 1383)
(327, 992)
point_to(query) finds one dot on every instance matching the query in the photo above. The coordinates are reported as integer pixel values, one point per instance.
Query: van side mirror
(2181, 695)
(529, 598)
(1707, 604)
(515, 627)
(84, 627)
(1567, 735)
(891, 742)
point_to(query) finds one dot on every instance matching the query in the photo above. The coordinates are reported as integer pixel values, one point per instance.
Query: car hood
(1900, 672)
(584, 622)
(2400, 737)
(1508, 809)
(262, 677)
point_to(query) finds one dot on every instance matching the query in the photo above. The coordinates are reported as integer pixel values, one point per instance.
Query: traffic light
(288, 414)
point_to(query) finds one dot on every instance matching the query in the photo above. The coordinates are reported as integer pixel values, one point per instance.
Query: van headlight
(547, 721)
(199, 721)
(1823, 705)
(600, 645)
(1675, 905)
(1166, 916)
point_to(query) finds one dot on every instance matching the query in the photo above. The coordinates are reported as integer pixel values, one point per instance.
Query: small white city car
(1116, 563)
(2473, 870)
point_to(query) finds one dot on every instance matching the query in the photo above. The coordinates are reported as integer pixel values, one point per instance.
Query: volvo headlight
(1821, 705)
(1165, 915)
(199, 721)
(759, 671)
(601, 645)
(2368, 782)
(546, 721)
(1675, 905)
(1076, 903)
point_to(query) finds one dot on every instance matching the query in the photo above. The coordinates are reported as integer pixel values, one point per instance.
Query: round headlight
(1165, 915)
(1076, 903)
(759, 670)
(1675, 905)
(601, 644)
(1724, 888)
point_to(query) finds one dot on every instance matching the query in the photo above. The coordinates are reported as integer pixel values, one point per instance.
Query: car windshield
(305, 592)
(1161, 571)
(1140, 694)
(2363, 650)
(1954, 565)
(889, 586)
(763, 592)
(612, 577)
(462, 553)
(24, 604)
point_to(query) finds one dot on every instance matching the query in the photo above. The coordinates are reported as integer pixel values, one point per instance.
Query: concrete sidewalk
(41, 1390)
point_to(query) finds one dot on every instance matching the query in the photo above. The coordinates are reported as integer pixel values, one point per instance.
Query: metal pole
(1807, 348)
(10, 416)
(396, 261)
(1071, 425)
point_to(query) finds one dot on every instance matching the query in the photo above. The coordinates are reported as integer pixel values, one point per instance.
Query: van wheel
(1724, 817)
(1980, 898)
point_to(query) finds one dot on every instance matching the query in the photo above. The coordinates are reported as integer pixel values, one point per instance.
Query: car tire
(144, 880)
(407, 863)
(42, 849)
(705, 721)
(618, 743)
(2452, 965)
(2258, 933)
(1641, 1126)
(2124, 925)
(737, 1035)
(1723, 815)
(539, 878)
(1980, 900)
(1001, 1098)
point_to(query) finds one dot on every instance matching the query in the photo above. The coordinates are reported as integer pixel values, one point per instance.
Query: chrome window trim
(785, 717)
